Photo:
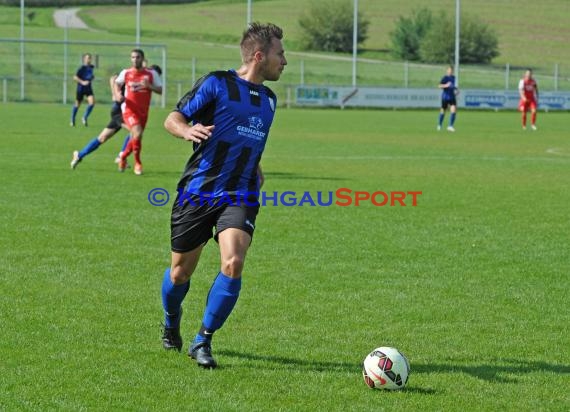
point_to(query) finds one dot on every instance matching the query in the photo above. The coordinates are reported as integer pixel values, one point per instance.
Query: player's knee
(105, 135)
(233, 266)
(179, 275)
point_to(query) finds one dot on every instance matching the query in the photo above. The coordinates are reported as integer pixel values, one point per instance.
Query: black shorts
(83, 91)
(192, 222)
(116, 121)
(445, 103)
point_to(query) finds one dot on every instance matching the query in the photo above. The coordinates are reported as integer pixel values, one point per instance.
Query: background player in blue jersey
(84, 78)
(449, 91)
(227, 116)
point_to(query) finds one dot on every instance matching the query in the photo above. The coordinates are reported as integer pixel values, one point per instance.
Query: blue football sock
(88, 111)
(74, 110)
(92, 145)
(221, 301)
(441, 116)
(452, 119)
(126, 142)
(172, 297)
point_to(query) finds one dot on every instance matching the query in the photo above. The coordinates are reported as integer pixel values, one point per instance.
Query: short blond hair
(256, 37)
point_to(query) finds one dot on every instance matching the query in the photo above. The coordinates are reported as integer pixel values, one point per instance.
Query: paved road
(69, 18)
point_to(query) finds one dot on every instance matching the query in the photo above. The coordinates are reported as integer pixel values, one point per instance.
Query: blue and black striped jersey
(449, 92)
(85, 72)
(242, 113)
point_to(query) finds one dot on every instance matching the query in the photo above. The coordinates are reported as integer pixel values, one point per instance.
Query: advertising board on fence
(343, 96)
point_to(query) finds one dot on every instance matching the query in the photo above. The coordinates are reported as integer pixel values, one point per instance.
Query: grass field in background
(471, 284)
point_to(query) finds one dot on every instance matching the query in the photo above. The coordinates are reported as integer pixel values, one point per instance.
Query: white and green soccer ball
(386, 368)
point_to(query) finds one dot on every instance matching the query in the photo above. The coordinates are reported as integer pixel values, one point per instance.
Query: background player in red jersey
(139, 83)
(109, 131)
(528, 90)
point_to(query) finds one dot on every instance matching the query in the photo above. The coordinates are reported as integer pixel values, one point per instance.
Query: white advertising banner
(419, 98)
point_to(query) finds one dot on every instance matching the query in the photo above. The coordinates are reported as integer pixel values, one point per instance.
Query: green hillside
(193, 34)
(544, 43)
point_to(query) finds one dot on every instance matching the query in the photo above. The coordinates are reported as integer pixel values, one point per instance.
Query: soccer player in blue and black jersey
(84, 78)
(227, 116)
(448, 93)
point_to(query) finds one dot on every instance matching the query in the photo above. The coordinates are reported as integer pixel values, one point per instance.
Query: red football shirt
(528, 86)
(137, 97)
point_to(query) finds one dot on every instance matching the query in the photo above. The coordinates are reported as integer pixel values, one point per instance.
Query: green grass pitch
(471, 284)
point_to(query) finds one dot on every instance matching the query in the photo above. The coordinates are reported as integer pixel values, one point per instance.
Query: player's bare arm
(176, 125)
(80, 81)
(112, 84)
(521, 91)
(148, 85)
(116, 97)
(117, 91)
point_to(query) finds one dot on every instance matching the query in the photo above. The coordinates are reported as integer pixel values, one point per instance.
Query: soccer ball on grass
(386, 368)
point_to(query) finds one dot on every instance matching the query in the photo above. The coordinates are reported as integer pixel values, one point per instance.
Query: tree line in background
(329, 26)
(423, 37)
(69, 3)
(430, 38)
